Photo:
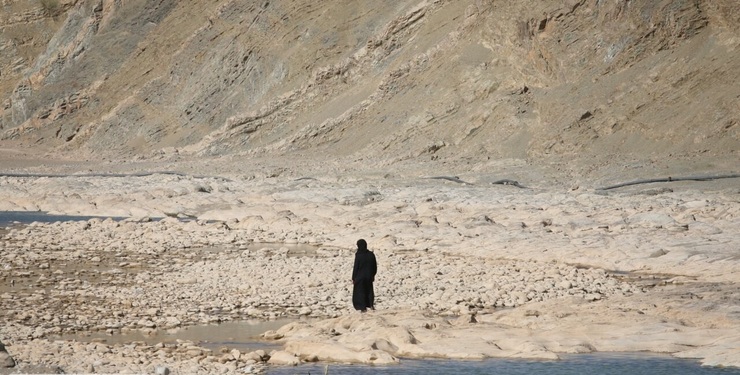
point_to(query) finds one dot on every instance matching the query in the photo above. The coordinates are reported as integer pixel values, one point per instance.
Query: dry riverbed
(468, 269)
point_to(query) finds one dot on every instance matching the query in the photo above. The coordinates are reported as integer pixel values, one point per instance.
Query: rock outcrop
(497, 79)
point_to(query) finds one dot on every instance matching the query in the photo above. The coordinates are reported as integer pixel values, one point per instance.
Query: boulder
(384, 345)
(282, 357)
(236, 354)
(253, 356)
(332, 352)
(272, 335)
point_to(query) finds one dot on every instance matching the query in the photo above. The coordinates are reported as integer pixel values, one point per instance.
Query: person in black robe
(363, 276)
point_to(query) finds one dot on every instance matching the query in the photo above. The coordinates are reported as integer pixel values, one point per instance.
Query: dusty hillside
(605, 83)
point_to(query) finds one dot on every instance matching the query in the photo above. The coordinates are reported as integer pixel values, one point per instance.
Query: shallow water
(242, 335)
(593, 363)
(8, 218)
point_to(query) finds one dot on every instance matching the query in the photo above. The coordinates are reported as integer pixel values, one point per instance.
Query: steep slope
(25, 30)
(442, 80)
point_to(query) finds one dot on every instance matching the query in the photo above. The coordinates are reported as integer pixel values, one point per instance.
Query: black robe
(363, 275)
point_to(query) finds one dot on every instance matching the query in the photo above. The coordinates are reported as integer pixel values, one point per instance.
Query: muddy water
(242, 335)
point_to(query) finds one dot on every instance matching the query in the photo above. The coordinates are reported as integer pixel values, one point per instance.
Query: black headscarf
(361, 245)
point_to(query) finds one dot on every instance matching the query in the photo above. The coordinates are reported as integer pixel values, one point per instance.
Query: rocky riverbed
(468, 269)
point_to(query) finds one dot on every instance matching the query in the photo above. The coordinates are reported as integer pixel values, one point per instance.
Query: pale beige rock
(339, 353)
(282, 357)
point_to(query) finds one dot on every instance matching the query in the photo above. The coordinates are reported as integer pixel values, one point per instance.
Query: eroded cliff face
(465, 80)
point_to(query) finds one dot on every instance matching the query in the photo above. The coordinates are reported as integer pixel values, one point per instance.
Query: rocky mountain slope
(600, 82)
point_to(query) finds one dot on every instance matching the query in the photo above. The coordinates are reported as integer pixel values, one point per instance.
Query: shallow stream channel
(241, 335)
(593, 363)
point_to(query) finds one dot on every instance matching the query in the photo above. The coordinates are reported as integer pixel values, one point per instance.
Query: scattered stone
(155, 275)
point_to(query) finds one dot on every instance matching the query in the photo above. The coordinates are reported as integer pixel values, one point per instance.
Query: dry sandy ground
(468, 268)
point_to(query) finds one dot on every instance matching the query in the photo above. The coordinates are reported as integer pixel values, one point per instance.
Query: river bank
(468, 268)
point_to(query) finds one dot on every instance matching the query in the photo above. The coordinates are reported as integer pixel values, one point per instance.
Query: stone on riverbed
(282, 357)
(339, 353)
